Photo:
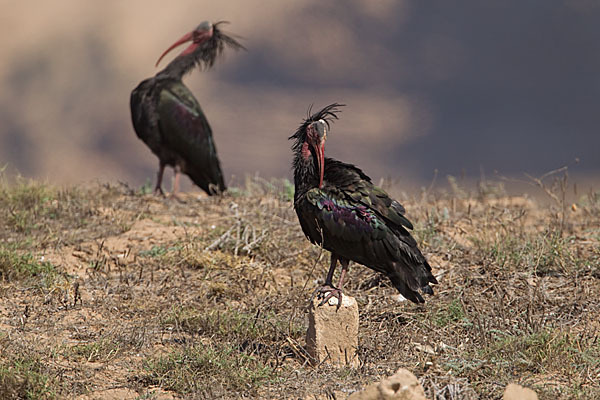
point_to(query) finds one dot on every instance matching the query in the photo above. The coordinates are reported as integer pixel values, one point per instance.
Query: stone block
(332, 335)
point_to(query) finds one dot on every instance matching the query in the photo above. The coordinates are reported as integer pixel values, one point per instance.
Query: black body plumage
(355, 219)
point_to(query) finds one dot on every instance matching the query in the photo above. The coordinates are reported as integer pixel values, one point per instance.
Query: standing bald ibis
(168, 118)
(340, 209)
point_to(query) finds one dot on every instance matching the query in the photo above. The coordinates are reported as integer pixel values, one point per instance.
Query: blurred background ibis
(168, 118)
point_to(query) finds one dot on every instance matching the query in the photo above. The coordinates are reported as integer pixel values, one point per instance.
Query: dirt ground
(110, 293)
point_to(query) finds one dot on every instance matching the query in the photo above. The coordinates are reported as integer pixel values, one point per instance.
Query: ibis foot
(159, 192)
(326, 292)
(176, 197)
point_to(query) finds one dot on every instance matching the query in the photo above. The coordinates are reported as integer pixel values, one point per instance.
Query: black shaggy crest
(327, 114)
(204, 57)
(216, 45)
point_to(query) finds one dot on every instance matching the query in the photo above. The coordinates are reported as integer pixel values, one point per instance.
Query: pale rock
(518, 392)
(403, 385)
(332, 334)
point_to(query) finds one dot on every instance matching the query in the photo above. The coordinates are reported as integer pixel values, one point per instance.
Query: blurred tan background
(507, 86)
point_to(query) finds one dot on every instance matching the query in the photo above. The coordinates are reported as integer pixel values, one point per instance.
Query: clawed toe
(326, 292)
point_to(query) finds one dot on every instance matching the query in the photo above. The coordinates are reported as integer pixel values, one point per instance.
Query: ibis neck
(306, 172)
(180, 66)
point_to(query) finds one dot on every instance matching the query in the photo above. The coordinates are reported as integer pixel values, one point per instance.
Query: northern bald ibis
(168, 118)
(340, 209)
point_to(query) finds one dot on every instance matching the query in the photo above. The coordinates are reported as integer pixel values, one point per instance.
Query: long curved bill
(320, 150)
(185, 38)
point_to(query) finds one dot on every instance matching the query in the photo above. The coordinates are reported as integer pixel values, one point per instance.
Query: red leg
(345, 264)
(176, 180)
(329, 279)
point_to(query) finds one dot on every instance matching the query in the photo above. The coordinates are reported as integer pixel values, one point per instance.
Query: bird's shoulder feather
(342, 217)
(357, 186)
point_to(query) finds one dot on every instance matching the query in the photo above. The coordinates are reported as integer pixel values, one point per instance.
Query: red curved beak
(186, 38)
(320, 150)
